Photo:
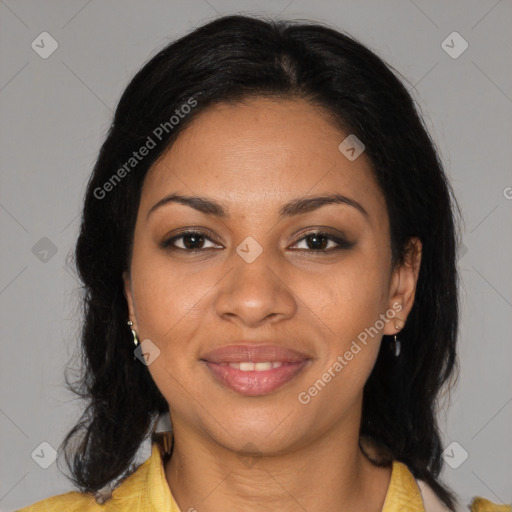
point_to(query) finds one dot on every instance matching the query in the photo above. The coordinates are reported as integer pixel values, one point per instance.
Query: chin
(257, 437)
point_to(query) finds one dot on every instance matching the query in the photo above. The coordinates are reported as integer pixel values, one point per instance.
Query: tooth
(249, 366)
(263, 366)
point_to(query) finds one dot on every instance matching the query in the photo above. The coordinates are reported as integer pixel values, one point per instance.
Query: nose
(256, 292)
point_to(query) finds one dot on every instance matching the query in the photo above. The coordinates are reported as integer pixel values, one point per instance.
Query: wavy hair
(228, 60)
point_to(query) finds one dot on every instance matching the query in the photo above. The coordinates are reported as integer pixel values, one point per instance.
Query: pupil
(316, 238)
(191, 237)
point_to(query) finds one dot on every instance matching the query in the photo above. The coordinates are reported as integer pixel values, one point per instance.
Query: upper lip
(255, 353)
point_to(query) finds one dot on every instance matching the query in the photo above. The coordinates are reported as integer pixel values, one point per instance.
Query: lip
(255, 353)
(254, 382)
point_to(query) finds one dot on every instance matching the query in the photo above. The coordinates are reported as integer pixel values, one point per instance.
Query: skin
(253, 157)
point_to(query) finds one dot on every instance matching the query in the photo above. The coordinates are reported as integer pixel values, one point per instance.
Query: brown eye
(191, 241)
(318, 241)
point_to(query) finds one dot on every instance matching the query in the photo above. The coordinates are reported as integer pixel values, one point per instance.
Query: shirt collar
(403, 491)
(158, 492)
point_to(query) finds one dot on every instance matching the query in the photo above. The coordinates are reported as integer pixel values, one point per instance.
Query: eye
(190, 241)
(318, 241)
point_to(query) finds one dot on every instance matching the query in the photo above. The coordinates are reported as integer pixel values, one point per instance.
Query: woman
(269, 224)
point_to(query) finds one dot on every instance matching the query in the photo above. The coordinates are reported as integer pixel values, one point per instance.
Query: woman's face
(262, 284)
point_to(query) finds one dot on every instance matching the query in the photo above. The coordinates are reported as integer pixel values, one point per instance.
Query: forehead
(261, 151)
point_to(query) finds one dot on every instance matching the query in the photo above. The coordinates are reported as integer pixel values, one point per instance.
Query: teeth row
(250, 366)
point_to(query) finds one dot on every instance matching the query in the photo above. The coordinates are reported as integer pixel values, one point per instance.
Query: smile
(248, 366)
(254, 369)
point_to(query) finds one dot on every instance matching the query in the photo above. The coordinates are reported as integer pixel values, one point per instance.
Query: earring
(134, 334)
(395, 345)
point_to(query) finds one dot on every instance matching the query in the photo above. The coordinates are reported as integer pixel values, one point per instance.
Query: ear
(129, 298)
(403, 286)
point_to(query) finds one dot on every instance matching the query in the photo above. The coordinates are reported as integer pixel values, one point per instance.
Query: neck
(330, 474)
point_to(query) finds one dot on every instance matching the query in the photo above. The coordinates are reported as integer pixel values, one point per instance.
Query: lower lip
(255, 383)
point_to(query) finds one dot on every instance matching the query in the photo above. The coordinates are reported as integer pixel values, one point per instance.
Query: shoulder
(130, 495)
(478, 504)
(70, 502)
(413, 493)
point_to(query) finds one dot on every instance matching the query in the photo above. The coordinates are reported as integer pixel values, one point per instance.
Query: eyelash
(342, 244)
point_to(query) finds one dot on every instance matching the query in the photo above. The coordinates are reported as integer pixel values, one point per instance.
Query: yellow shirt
(146, 490)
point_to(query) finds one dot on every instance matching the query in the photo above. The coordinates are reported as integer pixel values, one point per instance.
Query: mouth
(255, 370)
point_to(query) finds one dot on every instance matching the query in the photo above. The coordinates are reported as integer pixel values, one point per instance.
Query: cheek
(174, 311)
(348, 299)
(346, 312)
(168, 303)
(347, 307)
(169, 308)
(165, 293)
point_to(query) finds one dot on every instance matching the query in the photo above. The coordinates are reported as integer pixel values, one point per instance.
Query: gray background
(55, 113)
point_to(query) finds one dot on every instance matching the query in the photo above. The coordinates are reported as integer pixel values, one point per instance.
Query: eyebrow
(293, 207)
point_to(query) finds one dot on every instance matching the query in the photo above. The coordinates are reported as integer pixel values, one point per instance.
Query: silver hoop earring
(134, 334)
